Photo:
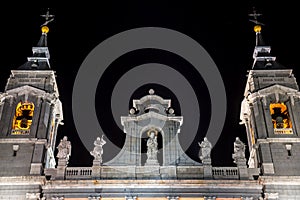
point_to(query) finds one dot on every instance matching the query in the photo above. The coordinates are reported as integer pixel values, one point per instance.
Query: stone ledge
(21, 180)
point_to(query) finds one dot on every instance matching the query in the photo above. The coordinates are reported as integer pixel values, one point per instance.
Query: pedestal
(97, 162)
(62, 162)
(96, 168)
(151, 162)
(61, 168)
(207, 171)
(242, 167)
(206, 161)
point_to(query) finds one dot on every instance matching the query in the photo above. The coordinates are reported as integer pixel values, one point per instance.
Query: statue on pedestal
(98, 149)
(64, 149)
(239, 150)
(205, 151)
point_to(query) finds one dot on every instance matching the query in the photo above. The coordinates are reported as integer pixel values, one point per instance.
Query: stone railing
(78, 172)
(225, 173)
(106, 172)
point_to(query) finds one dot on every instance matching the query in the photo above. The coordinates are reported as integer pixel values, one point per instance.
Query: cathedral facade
(31, 112)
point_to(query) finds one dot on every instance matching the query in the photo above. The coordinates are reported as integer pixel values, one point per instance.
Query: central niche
(151, 147)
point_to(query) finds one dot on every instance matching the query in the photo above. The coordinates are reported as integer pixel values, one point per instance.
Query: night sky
(223, 30)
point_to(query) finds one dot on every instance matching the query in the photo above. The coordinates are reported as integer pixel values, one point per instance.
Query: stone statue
(239, 150)
(98, 150)
(64, 149)
(205, 150)
(152, 146)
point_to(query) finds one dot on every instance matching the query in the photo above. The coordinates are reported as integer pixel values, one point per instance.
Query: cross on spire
(48, 18)
(255, 16)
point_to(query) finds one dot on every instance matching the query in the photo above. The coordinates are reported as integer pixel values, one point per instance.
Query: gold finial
(45, 29)
(257, 28)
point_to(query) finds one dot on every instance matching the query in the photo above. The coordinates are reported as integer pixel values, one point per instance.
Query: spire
(40, 58)
(262, 52)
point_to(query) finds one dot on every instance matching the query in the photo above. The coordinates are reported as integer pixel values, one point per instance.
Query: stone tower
(270, 111)
(30, 112)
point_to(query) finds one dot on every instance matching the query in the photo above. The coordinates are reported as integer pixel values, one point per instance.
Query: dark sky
(222, 29)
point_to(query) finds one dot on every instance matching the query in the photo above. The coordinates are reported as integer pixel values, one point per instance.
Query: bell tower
(30, 112)
(270, 112)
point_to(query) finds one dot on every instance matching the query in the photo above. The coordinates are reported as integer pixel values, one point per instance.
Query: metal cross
(255, 16)
(48, 18)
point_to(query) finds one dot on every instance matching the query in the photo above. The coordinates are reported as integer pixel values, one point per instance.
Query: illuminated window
(23, 118)
(280, 118)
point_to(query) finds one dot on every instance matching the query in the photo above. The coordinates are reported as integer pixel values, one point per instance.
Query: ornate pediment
(26, 89)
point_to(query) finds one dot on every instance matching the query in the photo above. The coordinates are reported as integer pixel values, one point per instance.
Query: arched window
(23, 118)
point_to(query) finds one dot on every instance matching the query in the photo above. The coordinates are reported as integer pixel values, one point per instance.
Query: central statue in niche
(153, 120)
(152, 147)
